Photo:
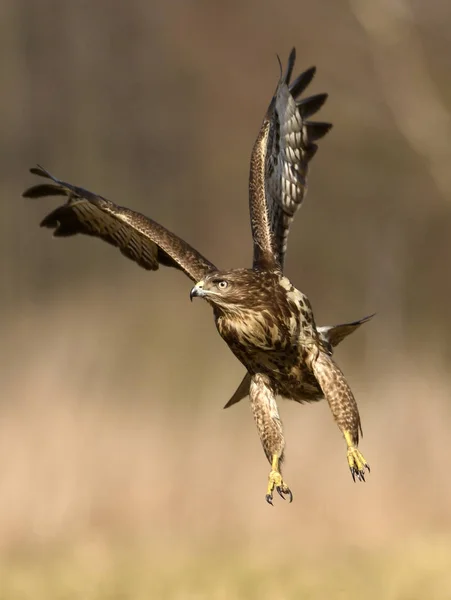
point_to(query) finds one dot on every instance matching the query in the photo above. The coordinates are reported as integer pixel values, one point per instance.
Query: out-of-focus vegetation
(421, 571)
(120, 475)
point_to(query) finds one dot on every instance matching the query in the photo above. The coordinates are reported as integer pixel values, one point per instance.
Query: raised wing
(279, 165)
(138, 238)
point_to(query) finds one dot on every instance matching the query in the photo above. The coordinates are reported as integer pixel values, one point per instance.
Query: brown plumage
(330, 336)
(144, 241)
(267, 323)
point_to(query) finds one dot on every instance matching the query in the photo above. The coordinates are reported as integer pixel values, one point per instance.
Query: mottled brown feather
(338, 394)
(139, 238)
(331, 335)
(279, 165)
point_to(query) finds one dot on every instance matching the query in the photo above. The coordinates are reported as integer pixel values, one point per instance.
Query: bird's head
(236, 289)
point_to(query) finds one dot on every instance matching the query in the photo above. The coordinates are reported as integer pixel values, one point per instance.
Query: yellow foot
(276, 481)
(357, 463)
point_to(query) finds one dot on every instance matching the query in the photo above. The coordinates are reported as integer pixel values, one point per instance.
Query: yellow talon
(275, 481)
(356, 460)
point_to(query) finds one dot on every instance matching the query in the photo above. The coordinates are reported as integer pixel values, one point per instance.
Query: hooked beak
(197, 291)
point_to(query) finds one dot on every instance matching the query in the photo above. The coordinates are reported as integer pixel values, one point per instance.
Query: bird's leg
(275, 481)
(344, 410)
(356, 461)
(269, 426)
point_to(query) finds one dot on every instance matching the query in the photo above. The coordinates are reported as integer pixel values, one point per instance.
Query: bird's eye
(222, 285)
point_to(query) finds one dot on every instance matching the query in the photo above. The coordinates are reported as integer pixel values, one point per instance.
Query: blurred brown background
(113, 442)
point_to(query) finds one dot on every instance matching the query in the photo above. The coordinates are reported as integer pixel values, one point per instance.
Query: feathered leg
(270, 430)
(344, 408)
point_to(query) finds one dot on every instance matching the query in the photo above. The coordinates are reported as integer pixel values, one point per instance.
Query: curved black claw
(284, 492)
(269, 499)
(360, 473)
(279, 491)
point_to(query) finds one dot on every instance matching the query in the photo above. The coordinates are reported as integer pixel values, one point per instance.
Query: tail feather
(335, 334)
(241, 392)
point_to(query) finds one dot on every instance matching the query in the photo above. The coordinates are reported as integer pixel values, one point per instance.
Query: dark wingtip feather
(31, 192)
(49, 221)
(317, 130)
(290, 66)
(42, 190)
(364, 320)
(311, 105)
(311, 150)
(40, 171)
(63, 221)
(62, 231)
(280, 66)
(55, 218)
(301, 82)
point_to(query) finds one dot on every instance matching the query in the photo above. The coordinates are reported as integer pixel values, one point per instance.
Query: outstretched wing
(138, 238)
(279, 165)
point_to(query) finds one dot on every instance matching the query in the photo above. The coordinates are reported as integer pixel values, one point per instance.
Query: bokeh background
(120, 474)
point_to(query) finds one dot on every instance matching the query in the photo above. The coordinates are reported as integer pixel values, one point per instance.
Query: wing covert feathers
(138, 238)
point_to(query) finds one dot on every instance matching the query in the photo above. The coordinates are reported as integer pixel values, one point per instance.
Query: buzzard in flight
(266, 322)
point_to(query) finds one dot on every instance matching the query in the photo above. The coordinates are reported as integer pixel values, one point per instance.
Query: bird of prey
(266, 322)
